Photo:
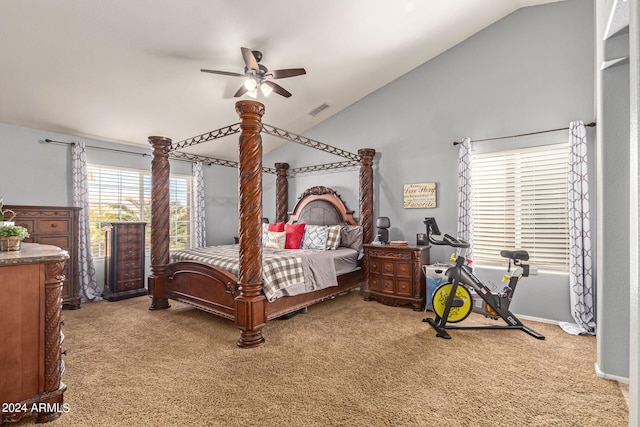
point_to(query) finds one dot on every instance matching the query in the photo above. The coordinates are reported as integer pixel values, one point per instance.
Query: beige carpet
(345, 363)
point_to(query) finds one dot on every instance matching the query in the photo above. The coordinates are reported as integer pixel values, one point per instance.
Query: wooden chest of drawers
(31, 365)
(124, 260)
(57, 226)
(394, 274)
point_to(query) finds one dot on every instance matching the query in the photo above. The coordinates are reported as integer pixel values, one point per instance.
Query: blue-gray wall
(531, 71)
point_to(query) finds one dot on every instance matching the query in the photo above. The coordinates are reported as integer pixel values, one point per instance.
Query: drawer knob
(54, 225)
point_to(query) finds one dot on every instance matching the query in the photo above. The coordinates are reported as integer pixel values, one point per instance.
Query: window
(117, 194)
(520, 202)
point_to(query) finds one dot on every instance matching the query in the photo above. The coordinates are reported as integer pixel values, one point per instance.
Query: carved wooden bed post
(250, 304)
(366, 193)
(159, 221)
(282, 192)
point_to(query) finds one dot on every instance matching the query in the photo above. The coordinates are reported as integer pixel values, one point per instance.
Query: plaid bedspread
(279, 271)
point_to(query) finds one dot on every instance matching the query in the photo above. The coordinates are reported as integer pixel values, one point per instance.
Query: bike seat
(519, 254)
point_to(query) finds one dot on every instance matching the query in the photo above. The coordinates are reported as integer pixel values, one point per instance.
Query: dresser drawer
(63, 242)
(129, 238)
(127, 285)
(129, 229)
(53, 226)
(131, 264)
(129, 256)
(134, 274)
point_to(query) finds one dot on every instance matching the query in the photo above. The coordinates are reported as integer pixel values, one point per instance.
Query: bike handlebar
(450, 241)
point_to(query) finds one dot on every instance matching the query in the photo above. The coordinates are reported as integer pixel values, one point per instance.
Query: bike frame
(462, 275)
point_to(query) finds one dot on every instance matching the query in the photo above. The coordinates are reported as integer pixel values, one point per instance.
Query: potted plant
(11, 236)
(4, 213)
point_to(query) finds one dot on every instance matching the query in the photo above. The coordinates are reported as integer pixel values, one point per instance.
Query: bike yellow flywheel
(462, 298)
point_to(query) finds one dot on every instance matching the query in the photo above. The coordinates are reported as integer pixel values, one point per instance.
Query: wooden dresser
(124, 260)
(57, 226)
(394, 274)
(31, 365)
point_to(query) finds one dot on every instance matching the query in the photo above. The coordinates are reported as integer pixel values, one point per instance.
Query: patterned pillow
(276, 239)
(315, 237)
(333, 237)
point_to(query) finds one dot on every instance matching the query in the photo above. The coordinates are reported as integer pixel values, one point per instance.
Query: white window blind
(520, 202)
(118, 194)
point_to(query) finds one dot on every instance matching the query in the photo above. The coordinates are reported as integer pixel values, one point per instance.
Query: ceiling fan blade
(224, 73)
(277, 88)
(249, 59)
(240, 91)
(289, 72)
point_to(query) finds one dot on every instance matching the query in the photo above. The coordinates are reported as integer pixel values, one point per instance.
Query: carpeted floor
(346, 363)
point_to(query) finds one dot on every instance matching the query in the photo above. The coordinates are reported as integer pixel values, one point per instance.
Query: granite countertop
(31, 253)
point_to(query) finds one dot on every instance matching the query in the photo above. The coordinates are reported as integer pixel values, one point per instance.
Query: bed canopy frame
(250, 302)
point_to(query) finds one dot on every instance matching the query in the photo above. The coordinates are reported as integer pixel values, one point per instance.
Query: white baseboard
(608, 376)
(537, 319)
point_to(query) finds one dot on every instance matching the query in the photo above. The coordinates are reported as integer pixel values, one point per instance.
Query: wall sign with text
(420, 195)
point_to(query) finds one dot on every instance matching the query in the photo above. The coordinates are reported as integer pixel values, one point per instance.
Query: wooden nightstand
(394, 274)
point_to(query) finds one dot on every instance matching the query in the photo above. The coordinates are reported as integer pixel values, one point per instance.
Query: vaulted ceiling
(121, 70)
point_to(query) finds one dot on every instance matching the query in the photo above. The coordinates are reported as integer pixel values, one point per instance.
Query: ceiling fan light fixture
(251, 85)
(265, 89)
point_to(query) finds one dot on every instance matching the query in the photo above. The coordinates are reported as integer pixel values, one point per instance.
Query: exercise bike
(452, 301)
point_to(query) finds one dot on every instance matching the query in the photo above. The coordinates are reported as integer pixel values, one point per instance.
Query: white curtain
(89, 290)
(580, 259)
(465, 211)
(200, 235)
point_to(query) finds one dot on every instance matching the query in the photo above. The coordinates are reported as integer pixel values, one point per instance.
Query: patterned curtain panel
(465, 211)
(89, 290)
(200, 235)
(580, 257)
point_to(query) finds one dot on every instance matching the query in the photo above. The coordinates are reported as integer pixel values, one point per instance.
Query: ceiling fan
(258, 76)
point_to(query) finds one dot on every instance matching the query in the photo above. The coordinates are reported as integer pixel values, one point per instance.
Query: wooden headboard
(321, 206)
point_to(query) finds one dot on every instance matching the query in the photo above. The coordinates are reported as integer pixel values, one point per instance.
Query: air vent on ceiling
(319, 109)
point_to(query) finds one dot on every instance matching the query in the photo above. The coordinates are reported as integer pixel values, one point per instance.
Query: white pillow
(276, 239)
(265, 231)
(315, 237)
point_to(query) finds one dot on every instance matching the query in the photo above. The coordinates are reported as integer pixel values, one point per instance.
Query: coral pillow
(277, 226)
(294, 235)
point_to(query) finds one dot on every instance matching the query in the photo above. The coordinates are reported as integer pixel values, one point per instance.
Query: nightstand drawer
(403, 287)
(387, 285)
(375, 266)
(375, 283)
(388, 268)
(404, 269)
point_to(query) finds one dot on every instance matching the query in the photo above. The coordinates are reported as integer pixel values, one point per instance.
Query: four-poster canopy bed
(241, 298)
